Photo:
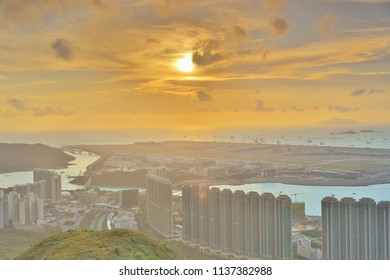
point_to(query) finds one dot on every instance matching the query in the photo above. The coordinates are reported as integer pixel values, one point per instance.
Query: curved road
(99, 221)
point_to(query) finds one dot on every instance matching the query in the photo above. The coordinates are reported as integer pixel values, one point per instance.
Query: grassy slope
(103, 245)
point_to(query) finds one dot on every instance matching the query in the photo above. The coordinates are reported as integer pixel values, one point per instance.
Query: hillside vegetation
(119, 244)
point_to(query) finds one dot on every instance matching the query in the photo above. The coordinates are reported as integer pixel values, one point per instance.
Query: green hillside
(119, 244)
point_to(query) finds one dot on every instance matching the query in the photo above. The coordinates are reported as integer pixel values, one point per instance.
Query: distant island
(118, 244)
(26, 157)
(354, 132)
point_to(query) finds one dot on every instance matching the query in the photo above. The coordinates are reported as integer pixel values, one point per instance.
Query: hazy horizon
(268, 136)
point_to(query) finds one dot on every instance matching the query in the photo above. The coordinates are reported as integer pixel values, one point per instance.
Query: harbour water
(312, 195)
(77, 167)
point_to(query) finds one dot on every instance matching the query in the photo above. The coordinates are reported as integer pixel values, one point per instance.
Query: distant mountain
(118, 244)
(340, 122)
(25, 157)
(367, 131)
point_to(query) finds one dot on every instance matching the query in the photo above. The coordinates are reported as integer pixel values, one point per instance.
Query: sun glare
(185, 64)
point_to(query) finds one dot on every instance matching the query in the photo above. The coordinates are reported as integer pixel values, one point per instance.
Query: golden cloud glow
(123, 65)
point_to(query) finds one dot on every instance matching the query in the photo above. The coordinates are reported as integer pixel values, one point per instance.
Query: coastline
(4, 171)
(297, 182)
(243, 162)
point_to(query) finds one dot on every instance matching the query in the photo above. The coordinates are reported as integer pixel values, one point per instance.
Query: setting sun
(185, 64)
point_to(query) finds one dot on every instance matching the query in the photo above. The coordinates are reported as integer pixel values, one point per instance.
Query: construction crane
(295, 196)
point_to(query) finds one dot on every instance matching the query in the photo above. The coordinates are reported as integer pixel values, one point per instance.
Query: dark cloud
(63, 49)
(153, 40)
(239, 33)
(342, 109)
(203, 96)
(260, 107)
(17, 104)
(206, 58)
(207, 52)
(169, 51)
(359, 92)
(279, 25)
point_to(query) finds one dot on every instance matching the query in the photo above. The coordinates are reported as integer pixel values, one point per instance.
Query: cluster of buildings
(355, 230)
(25, 203)
(237, 225)
(18, 209)
(52, 181)
(241, 225)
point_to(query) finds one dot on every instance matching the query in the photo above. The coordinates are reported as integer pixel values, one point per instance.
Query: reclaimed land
(243, 162)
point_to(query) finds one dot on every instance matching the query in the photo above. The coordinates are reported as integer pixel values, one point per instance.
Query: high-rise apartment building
(186, 213)
(2, 216)
(53, 184)
(203, 200)
(253, 225)
(383, 214)
(227, 222)
(367, 229)
(159, 202)
(12, 209)
(330, 228)
(214, 220)
(355, 229)
(348, 229)
(240, 223)
(194, 215)
(22, 214)
(283, 227)
(237, 225)
(268, 226)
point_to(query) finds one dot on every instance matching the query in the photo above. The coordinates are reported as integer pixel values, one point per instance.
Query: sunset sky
(99, 65)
